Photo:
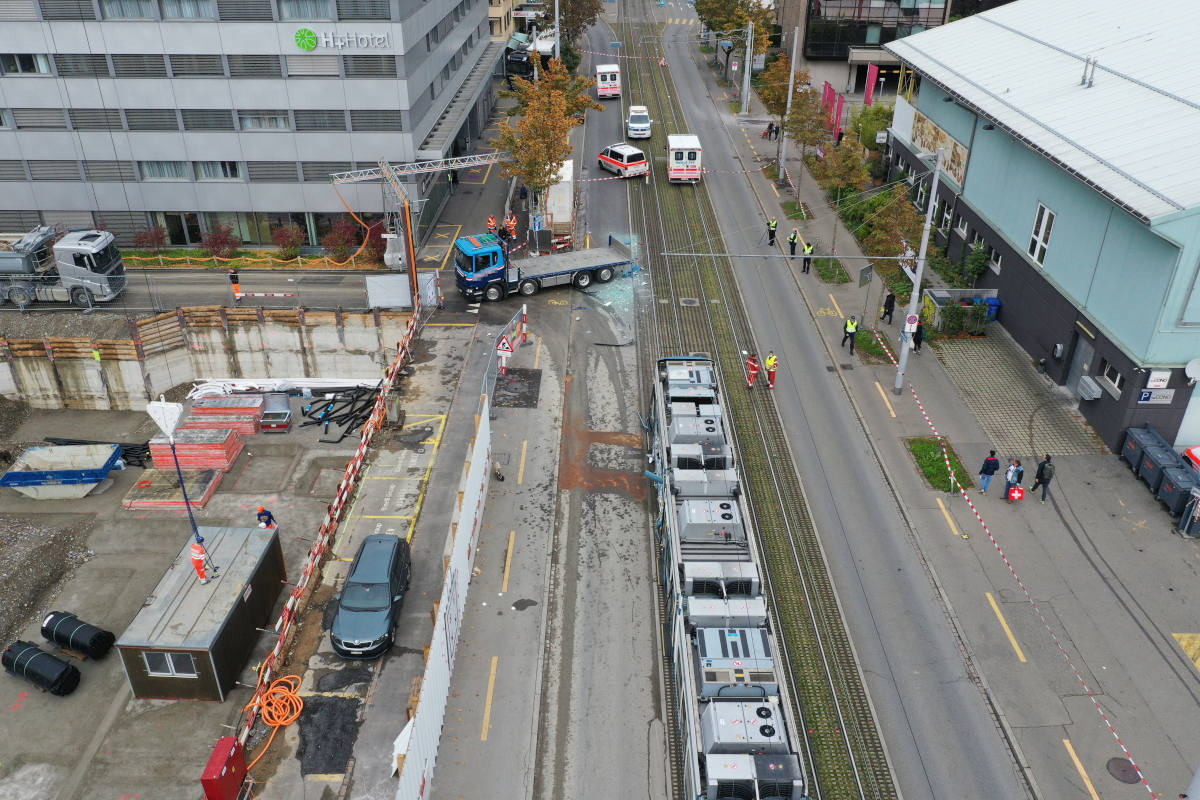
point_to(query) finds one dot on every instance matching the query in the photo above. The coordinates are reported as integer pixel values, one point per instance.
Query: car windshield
(639, 119)
(366, 596)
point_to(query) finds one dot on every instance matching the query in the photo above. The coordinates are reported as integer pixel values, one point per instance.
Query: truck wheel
(583, 279)
(493, 293)
(528, 287)
(604, 274)
(20, 296)
(81, 298)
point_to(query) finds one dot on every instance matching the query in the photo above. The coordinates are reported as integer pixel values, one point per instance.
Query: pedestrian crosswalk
(682, 21)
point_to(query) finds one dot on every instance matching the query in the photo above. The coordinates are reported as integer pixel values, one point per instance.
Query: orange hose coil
(280, 706)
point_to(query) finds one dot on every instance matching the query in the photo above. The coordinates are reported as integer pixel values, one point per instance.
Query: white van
(638, 123)
(623, 159)
(608, 81)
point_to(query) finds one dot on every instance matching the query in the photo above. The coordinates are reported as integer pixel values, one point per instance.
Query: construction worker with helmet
(510, 222)
(751, 371)
(772, 364)
(492, 224)
(265, 518)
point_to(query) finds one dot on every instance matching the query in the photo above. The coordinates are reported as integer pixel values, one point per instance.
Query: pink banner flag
(837, 129)
(827, 95)
(872, 76)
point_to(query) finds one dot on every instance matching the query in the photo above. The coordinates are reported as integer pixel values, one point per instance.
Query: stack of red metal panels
(245, 425)
(251, 404)
(159, 489)
(198, 449)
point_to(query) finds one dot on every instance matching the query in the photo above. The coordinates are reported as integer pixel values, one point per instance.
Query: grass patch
(794, 210)
(771, 171)
(707, 48)
(868, 348)
(830, 270)
(928, 455)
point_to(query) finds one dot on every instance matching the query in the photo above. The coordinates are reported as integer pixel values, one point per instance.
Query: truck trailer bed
(573, 261)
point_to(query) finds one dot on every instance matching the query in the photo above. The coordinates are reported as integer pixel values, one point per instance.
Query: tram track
(696, 309)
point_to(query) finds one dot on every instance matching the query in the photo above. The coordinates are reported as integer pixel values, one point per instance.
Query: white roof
(607, 68)
(683, 140)
(1133, 134)
(625, 149)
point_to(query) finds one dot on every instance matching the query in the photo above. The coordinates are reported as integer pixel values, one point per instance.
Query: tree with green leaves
(895, 226)
(805, 124)
(576, 16)
(554, 77)
(870, 120)
(773, 85)
(843, 170)
(538, 143)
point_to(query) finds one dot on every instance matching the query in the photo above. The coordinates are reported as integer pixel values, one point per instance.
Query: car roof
(625, 149)
(638, 110)
(372, 563)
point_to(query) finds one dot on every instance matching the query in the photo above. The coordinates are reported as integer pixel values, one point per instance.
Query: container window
(170, 665)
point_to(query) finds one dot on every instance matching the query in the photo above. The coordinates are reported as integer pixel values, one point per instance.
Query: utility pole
(746, 76)
(536, 55)
(915, 300)
(557, 34)
(788, 111)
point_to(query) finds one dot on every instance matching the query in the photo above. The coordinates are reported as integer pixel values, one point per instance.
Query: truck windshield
(639, 119)
(463, 261)
(106, 258)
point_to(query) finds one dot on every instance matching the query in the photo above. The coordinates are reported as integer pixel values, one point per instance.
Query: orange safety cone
(199, 557)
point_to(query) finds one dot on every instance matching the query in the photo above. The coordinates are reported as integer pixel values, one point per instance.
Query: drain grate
(688, 301)
(830, 368)
(1122, 770)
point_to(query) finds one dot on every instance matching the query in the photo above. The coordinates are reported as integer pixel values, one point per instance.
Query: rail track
(696, 308)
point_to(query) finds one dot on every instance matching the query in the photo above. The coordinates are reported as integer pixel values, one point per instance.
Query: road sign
(504, 347)
(536, 223)
(881, 137)
(1156, 397)
(910, 323)
(864, 275)
(1017, 493)
(733, 67)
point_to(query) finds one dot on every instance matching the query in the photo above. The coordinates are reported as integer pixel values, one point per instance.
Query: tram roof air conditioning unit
(696, 374)
(705, 483)
(721, 579)
(710, 521)
(695, 430)
(746, 776)
(734, 647)
(711, 612)
(738, 726)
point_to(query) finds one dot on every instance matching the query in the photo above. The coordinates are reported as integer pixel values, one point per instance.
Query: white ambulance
(608, 81)
(683, 158)
(624, 159)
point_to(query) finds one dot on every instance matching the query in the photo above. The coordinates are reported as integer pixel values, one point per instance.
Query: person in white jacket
(1012, 478)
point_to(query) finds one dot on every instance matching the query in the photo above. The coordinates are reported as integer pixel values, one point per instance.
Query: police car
(624, 159)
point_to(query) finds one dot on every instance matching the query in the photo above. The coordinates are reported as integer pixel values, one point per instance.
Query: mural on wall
(929, 137)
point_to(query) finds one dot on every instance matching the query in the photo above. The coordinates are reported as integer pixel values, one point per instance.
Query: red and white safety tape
(264, 294)
(1017, 578)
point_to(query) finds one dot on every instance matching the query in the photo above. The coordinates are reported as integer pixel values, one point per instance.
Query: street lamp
(880, 92)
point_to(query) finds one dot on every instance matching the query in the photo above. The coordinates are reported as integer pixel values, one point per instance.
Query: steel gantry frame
(398, 208)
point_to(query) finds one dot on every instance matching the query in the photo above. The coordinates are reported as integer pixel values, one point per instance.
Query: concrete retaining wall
(186, 345)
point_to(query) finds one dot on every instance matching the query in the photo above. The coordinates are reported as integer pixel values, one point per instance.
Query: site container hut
(191, 641)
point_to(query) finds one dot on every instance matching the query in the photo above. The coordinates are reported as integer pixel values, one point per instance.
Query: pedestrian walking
(808, 253)
(772, 365)
(1043, 476)
(772, 224)
(236, 283)
(751, 371)
(793, 238)
(491, 223)
(1012, 477)
(850, 332)
(918, 336)
(889, 306)
(265, 518)
(991, 465)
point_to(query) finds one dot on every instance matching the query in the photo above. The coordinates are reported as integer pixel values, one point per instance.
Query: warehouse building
(188, 113)
(1069, 129)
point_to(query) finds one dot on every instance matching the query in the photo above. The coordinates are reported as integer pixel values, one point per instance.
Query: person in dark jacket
(991, 465)
(889, 307)
(1043, 476)
(918, 336)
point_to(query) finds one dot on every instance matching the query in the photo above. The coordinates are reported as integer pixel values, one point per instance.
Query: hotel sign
(307, 39)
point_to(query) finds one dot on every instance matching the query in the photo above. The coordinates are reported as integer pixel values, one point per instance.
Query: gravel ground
(12, 415)
(67, 324)
(34, 562)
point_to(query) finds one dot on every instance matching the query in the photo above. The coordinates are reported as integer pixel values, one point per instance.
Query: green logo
(306, 39)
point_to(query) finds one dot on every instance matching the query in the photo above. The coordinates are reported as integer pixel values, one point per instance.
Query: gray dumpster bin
(1154, 461)
(1176, 488)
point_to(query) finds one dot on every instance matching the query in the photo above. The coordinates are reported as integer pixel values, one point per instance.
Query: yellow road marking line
(887, 403)
(835, 305)
(1079, 766)
(1008, 632)
(773, 189)
(487, 705)
(435, 444)
(537, 354)
(512, 541)
(521, 469)
(1190, 642)
(327, 777)
(949, 520)
(457, 228)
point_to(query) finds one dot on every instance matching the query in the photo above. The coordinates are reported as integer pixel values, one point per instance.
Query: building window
(1040, 239)
(6, 119)
(961, 226)
(25, 64)
(218, 170)
(976, 239)
(189, 9)
(994, 258)
(922, 195)
(1111, 378)
(306, 9)
(263, 120)
(170, 665)
(164, 170)
(127, 9)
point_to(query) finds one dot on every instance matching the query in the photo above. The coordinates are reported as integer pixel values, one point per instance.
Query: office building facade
(126, 114)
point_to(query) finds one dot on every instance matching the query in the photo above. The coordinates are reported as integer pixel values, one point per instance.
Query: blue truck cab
(482, 268)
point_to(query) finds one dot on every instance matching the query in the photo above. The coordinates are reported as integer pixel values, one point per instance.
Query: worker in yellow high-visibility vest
(850, 332)
(772, 364)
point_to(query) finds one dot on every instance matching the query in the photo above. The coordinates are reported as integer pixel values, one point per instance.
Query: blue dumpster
(993, 304)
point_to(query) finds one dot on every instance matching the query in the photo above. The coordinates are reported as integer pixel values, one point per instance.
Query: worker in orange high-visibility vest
(199, 557)
(751, 371)
(492, 225)
(511, 223)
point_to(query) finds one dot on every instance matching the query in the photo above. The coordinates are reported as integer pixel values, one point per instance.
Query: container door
(1081, 362)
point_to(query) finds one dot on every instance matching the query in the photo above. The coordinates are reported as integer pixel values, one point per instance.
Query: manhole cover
(830, 368)
(1122, 770)
(847, 366)
(688, 301)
